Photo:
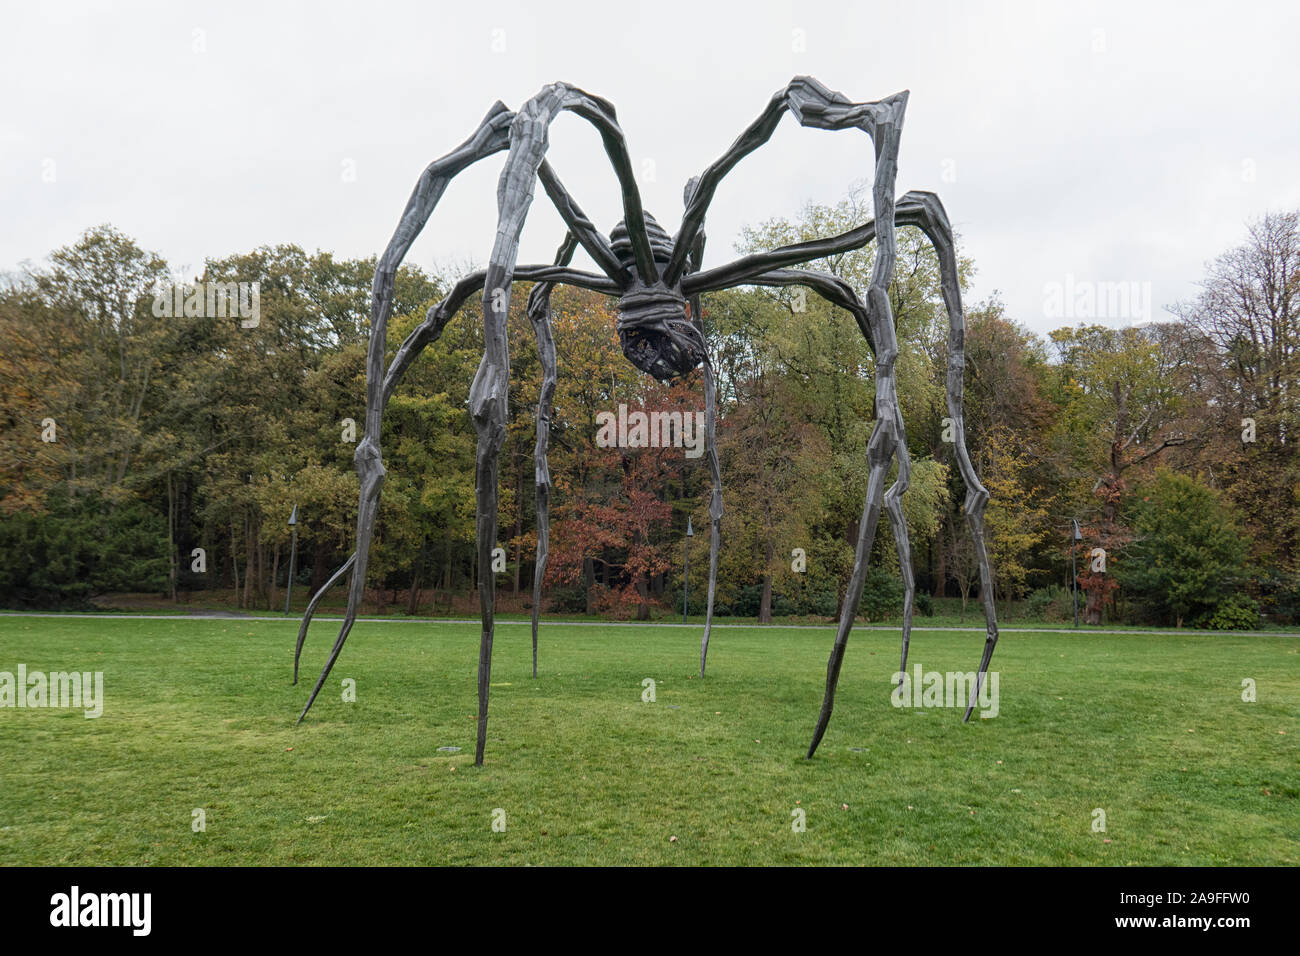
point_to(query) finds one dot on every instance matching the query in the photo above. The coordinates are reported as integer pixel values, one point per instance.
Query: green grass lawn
(199, 714)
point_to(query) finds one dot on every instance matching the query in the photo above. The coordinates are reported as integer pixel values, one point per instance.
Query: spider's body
(657, 280)
(654, 321)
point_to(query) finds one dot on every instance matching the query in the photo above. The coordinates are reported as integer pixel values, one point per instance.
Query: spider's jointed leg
(488, 401)
(525, 133)
(887, 435)
(838, 292)
(926, 211)
(812, 105)
(539, 314)
(694, 259)
(715, 500)
(500, 129)
(880, 450)
(311, 609)
(888, 439)
(425, 333)
(898, 522)
(491, 137)
(370, 469)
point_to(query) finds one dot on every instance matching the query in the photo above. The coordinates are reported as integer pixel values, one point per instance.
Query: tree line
(160, 449)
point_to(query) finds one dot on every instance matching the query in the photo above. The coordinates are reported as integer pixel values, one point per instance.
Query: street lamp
(686, 581)
(293, 554)
(1074, 574)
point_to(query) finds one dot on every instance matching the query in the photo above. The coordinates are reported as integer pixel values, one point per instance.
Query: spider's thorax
(654, 323)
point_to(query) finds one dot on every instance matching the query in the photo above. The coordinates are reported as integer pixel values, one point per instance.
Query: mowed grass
(199, 714)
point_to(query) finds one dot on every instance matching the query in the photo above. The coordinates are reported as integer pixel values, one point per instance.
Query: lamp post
(1074, 574)
(686, 579)
(293, 554)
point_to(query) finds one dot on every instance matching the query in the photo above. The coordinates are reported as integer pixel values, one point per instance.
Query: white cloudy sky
(1106, 142)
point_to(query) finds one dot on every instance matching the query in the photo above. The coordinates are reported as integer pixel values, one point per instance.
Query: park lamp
(293, 554)
(1074, 574)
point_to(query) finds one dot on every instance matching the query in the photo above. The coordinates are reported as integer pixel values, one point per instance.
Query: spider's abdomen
(661, 244)
(654, 326)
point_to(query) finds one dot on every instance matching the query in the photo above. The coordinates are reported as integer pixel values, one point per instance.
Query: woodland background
(191, 432)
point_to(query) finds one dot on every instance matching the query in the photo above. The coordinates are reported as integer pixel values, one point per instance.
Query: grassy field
(199, 714)
(947, 611)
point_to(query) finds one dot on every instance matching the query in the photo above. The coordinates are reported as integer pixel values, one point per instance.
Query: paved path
(232, 616)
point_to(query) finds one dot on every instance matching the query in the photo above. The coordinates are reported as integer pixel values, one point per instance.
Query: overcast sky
(1071, 143)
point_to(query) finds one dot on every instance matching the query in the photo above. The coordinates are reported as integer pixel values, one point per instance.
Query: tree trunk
(319, 569)
(275, 576)
(171, 532)
(234, 561)
(268, 583)
(248, 566)
(413, 601)
(519, 527)
(1092, 610)
(589, 581)
(643, 606)
(941, 572)
(447, 575)
(765, 604)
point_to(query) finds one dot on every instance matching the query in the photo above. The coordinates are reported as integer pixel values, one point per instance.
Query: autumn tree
(1248, 314)
(1121, 397)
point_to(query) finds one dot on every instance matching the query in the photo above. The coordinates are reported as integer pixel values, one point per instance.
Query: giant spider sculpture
(658, 283)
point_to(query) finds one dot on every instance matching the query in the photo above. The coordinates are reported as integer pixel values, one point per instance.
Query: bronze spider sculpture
(658, 283)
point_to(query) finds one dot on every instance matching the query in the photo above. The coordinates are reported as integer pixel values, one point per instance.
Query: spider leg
(499, 129)
(928, 213)
(880, 450)
(428, 331)
(311, 609)
(581, 227)
(693, 260)
(830, 287)
(539, 313)
(491, 136)
(488, 393)
(488, 402)
(812, 104)
(715, 501)
(601, 114)
(838, 292)
(912, 210)
(925, 211)
(886, 436)
(442, 312)
(898, 522)
(370, 470)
